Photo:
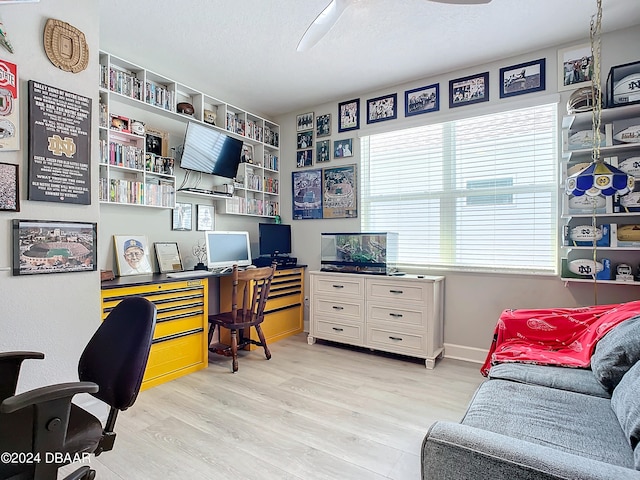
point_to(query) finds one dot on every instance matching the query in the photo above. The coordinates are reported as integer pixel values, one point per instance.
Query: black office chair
(43, 427)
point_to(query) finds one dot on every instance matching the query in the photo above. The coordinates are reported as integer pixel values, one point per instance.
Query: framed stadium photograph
(468, 90)
(522, 78)
(42, 246)
(575, 67)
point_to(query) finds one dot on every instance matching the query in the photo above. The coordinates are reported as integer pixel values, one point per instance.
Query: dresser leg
(430, 363)
(310, 340)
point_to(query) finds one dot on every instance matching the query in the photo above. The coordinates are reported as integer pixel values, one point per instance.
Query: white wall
(57, 313)
(472, 301)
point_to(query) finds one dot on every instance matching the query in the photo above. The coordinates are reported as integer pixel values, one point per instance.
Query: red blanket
(555, 336)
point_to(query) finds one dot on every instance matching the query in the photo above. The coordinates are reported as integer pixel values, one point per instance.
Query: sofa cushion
(625, 403)
(578, 380)
(571, 422)
(616, 352)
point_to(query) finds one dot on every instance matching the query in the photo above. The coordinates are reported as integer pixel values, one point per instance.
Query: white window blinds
(478, 193)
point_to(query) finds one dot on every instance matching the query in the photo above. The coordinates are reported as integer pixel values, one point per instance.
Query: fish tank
(373, 253)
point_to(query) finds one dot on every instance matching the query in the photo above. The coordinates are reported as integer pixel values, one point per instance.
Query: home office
(473, 300)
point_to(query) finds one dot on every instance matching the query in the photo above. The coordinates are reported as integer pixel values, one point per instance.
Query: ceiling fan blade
(462, 2)
(322, 24)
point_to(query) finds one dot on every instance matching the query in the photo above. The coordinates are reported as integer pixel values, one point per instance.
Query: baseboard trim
(468, 354)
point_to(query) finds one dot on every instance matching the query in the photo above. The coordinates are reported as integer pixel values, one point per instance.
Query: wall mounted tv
(210, 151)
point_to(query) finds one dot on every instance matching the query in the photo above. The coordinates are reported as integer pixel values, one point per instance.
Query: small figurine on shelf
(200, 252)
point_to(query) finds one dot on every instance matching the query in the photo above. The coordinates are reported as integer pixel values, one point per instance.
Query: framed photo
(306, 193)
(575, 67)
(339, 197)
(422, 100)
(246, 156)
(157, 142)
(304, 158)
(304, 122)
(468, 90)
(323, 125)
(522, 78)
(323, 151)
(168, 257)
(42, 246)
(206, 217)
(304, 140)
(382, 108)
(343, 148)
(9, 188)
(9, 107)
(349, 115)
(181, 217)
(132, 254)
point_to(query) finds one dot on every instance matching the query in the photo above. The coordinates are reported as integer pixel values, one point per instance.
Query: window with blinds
(472, 194)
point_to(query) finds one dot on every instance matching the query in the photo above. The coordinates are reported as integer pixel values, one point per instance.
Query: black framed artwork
(383, 108)
(469, 90)
(349, 115)
(422, 100)
(522, 78)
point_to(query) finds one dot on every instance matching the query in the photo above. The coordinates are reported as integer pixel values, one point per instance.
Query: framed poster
(339, 196)
(181, 216)
(468, 90)
(168, 257)
(522, 78)
(59, 145)
(206, 217)
(307, 194)
(132, 254)
(349, 115)
(9, 187)
(9, 118)
(42, 246)
(422, 100)
(575, 67)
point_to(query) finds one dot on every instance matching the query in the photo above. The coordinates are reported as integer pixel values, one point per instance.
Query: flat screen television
(210, 151)
(225, 249)
(275, 238)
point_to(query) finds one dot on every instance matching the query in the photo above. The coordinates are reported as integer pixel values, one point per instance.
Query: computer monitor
(274, 238)
(225, 249)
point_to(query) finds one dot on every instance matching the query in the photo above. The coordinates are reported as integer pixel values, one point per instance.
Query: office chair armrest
(10, 363)
(46, 394)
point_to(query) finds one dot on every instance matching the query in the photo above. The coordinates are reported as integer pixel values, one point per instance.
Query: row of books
(271, 185)
(122, 155)
(159, 96)
(125, 83)
(251, 206)
(271, 161)
(116, 190)
(235, 124)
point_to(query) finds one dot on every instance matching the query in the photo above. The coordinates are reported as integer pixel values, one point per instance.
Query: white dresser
(399, 314)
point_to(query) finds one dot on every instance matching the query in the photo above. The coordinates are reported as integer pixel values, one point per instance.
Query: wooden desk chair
(256, 283)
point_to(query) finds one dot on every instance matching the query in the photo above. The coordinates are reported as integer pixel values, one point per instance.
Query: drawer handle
(338, 329)
(335, 307)
(397, 339)
(395, 315)
(337, 286)
(396, 291)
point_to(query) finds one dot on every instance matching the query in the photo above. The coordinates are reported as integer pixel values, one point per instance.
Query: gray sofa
(544, 422)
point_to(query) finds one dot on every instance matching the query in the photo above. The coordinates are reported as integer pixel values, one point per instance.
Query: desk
(179, 344)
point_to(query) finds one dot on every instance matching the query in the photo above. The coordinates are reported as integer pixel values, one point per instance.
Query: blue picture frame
(469, 90)
(523, 78)
(381, 109)
(349, 115)
(422, 100)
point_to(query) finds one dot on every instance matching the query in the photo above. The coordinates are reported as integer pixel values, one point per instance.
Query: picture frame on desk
(49, 246)
(132, 255)
(168, 256)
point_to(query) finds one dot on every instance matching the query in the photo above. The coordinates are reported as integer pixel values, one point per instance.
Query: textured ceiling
(244, 51)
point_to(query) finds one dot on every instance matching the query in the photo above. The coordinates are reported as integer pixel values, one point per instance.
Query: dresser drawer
(169, 355)
(392, 341)
(339, 332)
(339, 308)
(403, 292)
(339, 286)
(396, 316)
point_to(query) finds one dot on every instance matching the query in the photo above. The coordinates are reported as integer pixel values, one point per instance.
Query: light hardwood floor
(311, 412)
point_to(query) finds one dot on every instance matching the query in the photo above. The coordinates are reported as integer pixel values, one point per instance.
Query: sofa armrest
(453, 451)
